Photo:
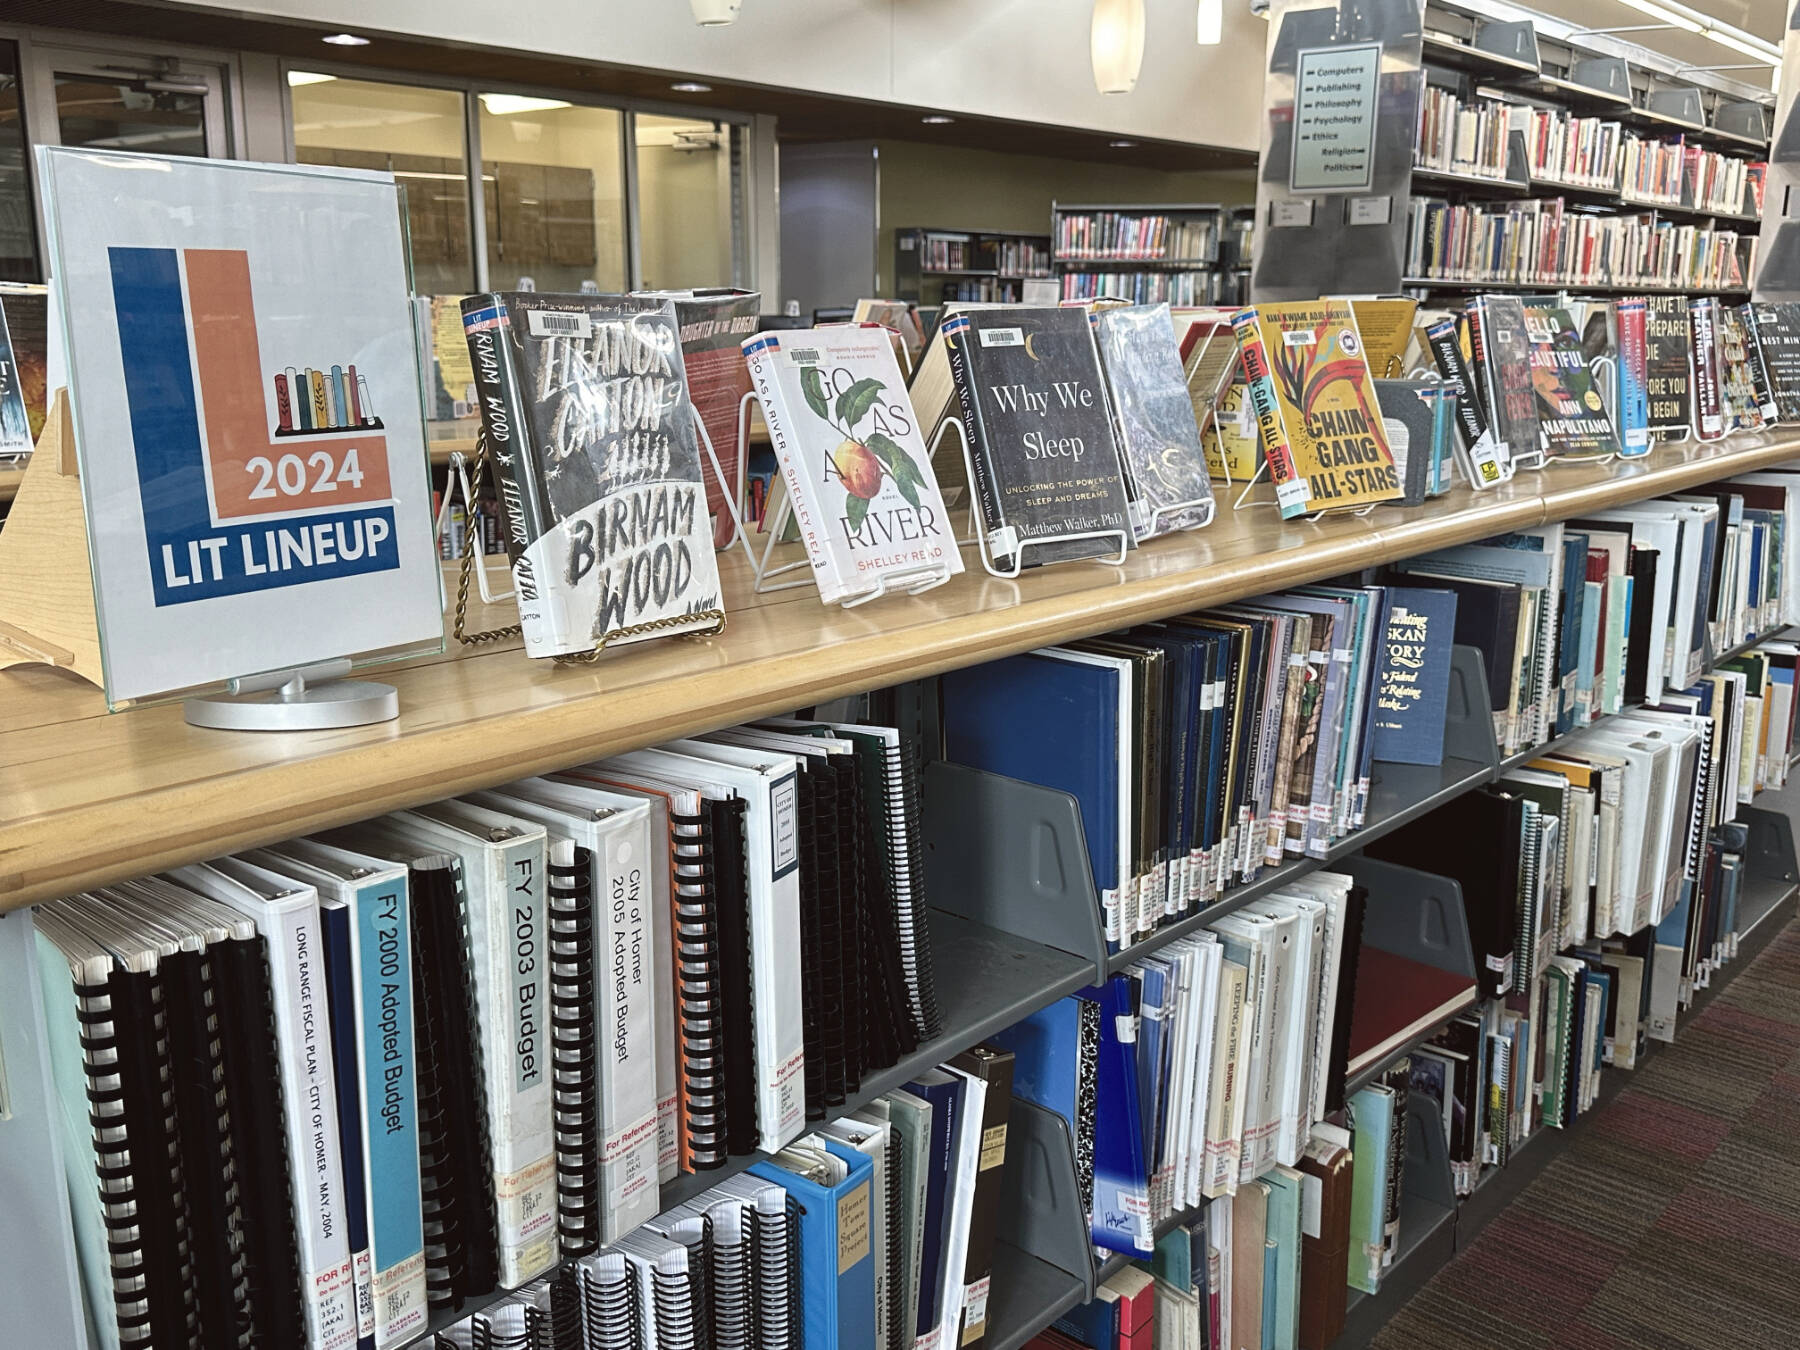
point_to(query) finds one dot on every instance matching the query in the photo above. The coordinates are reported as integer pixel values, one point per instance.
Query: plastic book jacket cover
(863, 491)
(1626, 321)
(584, 400)
(24, 314)
(1040, 436)
(1572, 419)
(1208, 350)
(1153, 415)
(1501, 345)
(1740, 384)
(1709, 399)
(1316, 408)
(1666, 372)
(1778, 339)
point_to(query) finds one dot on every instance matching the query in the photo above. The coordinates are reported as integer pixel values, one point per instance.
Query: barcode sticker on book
(1299, 337)
(803, 356)
(551, 323)
(1003, 337)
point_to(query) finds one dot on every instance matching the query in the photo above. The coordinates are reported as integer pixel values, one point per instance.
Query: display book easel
(1603, 368)
(47, 614)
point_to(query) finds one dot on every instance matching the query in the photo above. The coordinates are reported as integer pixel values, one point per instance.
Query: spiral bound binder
(699, 999)
(607, 1286)
(253, 1083)
(729, 869)
(110, 1135)
(905, 850)
(142, 1042)
(460, 1232)
(729, 1262)
(573, 1053)
(214, 1201)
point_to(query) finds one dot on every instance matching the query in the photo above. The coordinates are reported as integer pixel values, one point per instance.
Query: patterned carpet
(1672, 1222)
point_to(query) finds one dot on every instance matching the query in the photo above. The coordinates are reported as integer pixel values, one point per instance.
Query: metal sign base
(285, 701)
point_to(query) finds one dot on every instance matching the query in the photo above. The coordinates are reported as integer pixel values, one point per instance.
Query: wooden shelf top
(88, 797)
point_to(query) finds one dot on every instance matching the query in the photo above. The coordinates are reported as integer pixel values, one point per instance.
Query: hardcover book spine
(1291, 490)
(516, 1016)
(1709, 411)
(384, 999)
(1759, 370)
(960, 372)
(1629, 317)
(1446, 351)
(761, 357)
(524, 504)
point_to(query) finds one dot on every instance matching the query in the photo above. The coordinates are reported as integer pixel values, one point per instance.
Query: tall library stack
(729, 678)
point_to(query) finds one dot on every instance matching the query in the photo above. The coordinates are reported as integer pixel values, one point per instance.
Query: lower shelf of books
(986, 981)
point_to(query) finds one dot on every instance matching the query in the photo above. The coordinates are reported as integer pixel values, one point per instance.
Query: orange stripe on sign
(235, 412)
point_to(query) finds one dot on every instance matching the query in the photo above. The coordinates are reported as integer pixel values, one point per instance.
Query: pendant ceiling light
(1211, 23)
(713, 13)
(1117, 41)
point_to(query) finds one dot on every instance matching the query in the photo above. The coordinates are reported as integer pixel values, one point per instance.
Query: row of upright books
(1142, 288)
(1540, 242)
(1129, 235)
(399, 1065)
(1602, 884)
(875, 1231)
(1210, 748)
(1596, 378)
(1474, 136)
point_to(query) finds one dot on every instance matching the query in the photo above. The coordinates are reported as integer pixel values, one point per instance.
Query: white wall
(1025, 60)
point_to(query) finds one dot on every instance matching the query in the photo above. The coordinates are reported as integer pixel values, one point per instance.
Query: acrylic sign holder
(47, 611)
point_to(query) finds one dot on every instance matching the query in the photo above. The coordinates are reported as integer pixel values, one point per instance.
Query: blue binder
(1050, 722)
(837, 1255)
(945, 1093)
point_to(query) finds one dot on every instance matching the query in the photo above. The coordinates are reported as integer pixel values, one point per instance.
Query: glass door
(120, 101)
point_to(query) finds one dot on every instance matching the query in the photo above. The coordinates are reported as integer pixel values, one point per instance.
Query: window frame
(742, 210)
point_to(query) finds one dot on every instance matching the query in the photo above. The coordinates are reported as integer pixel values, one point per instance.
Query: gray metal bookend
(1414, 914)
(1771, 853)
(1040, 1197)
(1011, 855)
(1469, 712)
(1514, 39)
(1608, 74)
(1428, 1175)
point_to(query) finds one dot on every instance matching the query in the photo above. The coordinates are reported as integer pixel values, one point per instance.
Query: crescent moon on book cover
(1033, 355)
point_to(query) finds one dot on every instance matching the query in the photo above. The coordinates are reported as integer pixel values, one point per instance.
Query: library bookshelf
(88, 797)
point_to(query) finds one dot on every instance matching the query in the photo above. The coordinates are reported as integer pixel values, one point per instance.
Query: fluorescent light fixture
(691, 87)
(345, 40)
(296, 78)
(504, 105)
(1121, 145)
(937, 120)
(1116, 44)
(1669, 16)
(1747, 44)
(1210, 23)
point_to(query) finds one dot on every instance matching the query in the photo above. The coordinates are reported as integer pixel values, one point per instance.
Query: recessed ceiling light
(345, 40)
(691, 87)
(1122, 145)
(937, 120)
(504, 105)
(296, 78)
